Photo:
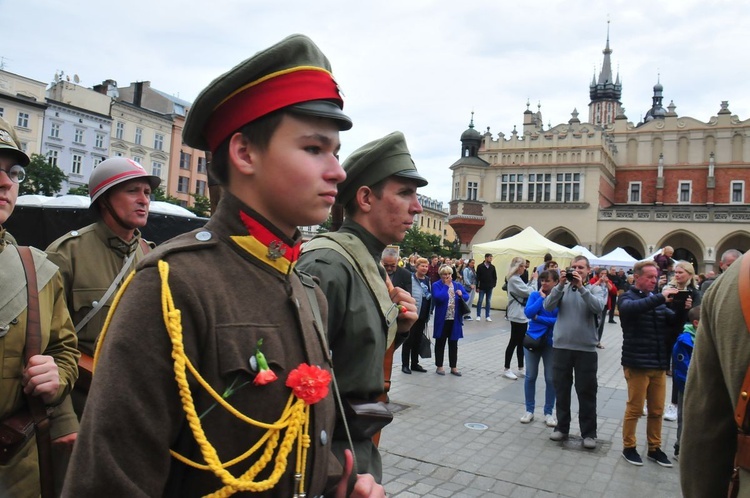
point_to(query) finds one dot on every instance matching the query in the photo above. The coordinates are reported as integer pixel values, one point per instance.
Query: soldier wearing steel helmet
(93, 261)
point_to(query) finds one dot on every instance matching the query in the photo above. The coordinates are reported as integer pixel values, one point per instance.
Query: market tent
(585, 252)
(618, 257)
(528, 244)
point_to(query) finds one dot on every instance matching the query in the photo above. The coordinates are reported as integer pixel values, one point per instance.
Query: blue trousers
(482, 294)
(532, 371)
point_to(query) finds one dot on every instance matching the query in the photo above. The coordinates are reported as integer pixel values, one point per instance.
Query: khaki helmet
(114, 171)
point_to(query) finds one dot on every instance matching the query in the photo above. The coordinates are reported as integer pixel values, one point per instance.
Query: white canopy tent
(585, 252)
(619, 258)
(528, 244)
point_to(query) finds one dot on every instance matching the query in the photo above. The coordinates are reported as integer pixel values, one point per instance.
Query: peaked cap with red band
(293, 73)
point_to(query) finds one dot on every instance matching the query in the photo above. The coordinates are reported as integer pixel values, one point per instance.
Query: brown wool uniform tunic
(229, 298)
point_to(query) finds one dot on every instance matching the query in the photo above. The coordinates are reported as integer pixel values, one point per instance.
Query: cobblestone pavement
(428, 451)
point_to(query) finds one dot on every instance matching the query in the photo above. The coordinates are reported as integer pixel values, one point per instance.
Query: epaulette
(73, 234)
(198, 239)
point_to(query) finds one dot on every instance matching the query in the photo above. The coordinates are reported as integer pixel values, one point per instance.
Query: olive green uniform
(356, 332)
(20, 478)
(229, 298)
(717, 369)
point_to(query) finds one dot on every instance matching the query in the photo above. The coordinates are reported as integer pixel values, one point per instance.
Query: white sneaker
(508, 374)
(488, 319)
(479, 318)
(645, 410)
(550, 420)
(670, 413)
(521, 373)
(527, 418)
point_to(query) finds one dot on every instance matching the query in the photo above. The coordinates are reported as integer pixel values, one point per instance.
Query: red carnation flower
(309, 383)
(264, 377)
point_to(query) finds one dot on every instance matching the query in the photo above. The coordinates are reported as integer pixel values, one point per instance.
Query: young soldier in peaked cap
(225, 325)
(380, 199)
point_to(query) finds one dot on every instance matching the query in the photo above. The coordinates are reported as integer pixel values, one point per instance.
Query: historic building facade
(434, 219)
(608, 182)
(76, 132)
(22, 105)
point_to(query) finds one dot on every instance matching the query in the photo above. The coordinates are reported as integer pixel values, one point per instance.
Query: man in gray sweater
(574, 348)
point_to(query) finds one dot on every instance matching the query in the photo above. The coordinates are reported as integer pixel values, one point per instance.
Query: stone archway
(563, 236)
(739, 240)
(687, 247)
(509, 232)
(628, 240)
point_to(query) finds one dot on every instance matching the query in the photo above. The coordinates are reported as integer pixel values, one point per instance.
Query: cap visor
(412, 174)
(323, 109)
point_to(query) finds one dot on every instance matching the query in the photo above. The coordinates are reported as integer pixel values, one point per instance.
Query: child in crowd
(683, 350)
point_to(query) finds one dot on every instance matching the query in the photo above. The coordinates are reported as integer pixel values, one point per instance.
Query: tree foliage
(79, 190)
(42, 178)
(160, 195)
(201, 206)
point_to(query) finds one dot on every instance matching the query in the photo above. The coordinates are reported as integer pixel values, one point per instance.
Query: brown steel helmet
(114, 171)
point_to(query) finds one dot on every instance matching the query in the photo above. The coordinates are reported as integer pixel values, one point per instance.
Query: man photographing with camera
(574, 349)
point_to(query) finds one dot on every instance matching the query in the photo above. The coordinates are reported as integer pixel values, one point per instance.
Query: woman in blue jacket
(541, 323)
(448, 319)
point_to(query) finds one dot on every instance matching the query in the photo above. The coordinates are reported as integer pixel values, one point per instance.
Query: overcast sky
(412, 65)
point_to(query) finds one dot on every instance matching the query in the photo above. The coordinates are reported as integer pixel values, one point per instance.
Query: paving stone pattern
(429, 452)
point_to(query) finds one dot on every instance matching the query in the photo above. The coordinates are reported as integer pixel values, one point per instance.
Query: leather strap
(740, 410)
(33, 347)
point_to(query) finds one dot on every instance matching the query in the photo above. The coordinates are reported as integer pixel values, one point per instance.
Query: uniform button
(74, 233)
(323, 438)
(94, 304)
(203, 236)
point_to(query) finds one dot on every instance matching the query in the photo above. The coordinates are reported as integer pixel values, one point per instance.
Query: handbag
(534, 344)
(366, 418)
(425, 346)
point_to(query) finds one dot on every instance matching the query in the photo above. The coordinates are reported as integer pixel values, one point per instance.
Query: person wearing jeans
(518, 293)
(486, 281)
(541, 323)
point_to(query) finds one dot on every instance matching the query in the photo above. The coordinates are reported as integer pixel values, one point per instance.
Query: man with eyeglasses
(400, 277)
(574, 349)
(48, 375)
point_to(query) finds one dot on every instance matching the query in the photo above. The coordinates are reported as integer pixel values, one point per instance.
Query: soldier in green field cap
(379, 197)
(214, 339)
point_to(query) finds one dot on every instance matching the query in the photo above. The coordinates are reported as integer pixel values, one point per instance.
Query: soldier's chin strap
(106, 205)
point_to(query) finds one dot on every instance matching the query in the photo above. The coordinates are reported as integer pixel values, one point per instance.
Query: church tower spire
(605, 92)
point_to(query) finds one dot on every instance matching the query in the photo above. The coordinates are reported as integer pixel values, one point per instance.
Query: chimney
(137, 93)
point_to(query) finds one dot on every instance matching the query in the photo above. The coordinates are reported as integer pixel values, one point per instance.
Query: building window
(568, 187)
(2, 112)
(97, 161)
(472, 189)
(118, 154)
(158, 141)
(540, 187)
(200, 187)
(52, 156)
(23, 120)
(184, 160)
(634, 189)
(202, 165)
(138, 136)
(183, 184)
(156, 168)
(78, 136)
(511, 188)
(99, 142)
(684, 192)
(76, 165)
(456, 190)
(738, 192)
(119, 130)
(54, 131)
(138, 159)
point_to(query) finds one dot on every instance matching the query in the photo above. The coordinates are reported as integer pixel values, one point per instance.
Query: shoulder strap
(32, 347)
(111, 290)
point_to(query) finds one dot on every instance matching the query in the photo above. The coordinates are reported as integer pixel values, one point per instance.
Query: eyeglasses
(16, 173)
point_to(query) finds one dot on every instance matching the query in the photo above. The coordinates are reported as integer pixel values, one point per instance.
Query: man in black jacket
(400, 277)
(486, 281)
(645, 359)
